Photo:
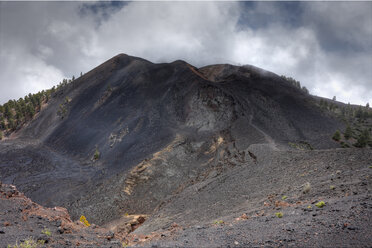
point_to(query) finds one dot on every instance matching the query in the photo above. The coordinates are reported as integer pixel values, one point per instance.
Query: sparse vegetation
(364, 139)
(337, 136)
(295, 83)
(357, 118)
(320, 204)
(16, 113)
(279, 214)
(46, 232)
(109, 88)
(218, 222)
(84, 220)
(302, 145)
(284, 197)
(96, 155)
(348, 132)
(28, 243)
(332, 187)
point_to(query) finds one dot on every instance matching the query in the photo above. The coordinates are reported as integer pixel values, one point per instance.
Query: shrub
(28, 243)
(363, 139)
(284, 197)
(320, 204)
(219, 222)
(96, 154)
(46, 232)
(84, 220)
(337, 136)
(348, 132)
(279, 214)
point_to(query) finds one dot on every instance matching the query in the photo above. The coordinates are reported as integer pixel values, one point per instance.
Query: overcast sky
(327, 46)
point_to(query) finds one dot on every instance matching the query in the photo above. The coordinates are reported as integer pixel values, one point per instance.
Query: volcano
(199, 147)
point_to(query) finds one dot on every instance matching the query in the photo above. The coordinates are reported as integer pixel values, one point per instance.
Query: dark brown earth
(189, 157)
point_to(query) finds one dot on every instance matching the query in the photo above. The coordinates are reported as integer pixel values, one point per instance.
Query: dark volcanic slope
(159, 128)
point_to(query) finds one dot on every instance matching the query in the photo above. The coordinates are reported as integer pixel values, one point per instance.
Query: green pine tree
(363, 139)
(348, 132)
(337, 136)
(30, 110)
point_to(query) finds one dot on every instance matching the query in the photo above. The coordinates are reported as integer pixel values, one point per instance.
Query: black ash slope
(158, 128)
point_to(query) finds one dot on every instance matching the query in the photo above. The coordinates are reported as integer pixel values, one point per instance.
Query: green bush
(320, 204)
(46, 232)
(279, 214)
(348, 132)
(28, 243)
(363, 139)
(96, 155)
(337, 136)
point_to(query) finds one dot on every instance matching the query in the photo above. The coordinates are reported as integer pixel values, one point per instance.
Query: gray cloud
(327, 46)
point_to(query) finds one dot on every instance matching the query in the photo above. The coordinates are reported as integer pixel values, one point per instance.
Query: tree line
(359, 123)
(295, 83)
(15, 113)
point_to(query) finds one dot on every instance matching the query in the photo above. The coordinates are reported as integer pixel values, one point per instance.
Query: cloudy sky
(325, 45)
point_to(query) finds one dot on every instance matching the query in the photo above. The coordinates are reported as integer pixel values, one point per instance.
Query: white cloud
(31, 74)
(56, 40)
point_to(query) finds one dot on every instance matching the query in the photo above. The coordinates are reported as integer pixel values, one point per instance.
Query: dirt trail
(267, 137)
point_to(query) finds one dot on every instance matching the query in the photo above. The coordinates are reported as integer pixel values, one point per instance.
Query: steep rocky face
(158, 128)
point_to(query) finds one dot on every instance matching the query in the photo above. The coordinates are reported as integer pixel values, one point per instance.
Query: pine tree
(348, 132)
(19, 116)
(3, 125)
(359, 113)
(364, 139)
(325, 105)
(11, 124)
(1, 135)
(7, 111)
(337, 136)
(30, 110)
(304, 89)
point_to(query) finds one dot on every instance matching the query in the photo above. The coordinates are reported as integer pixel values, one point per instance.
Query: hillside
(178, 144)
